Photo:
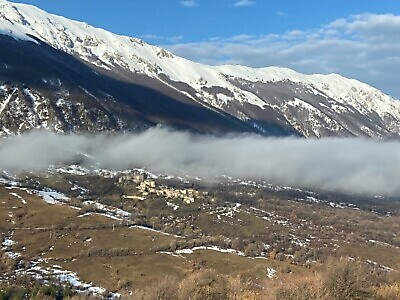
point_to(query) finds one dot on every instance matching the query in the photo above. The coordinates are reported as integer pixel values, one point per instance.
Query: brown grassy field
(292, 238)
(104, 251)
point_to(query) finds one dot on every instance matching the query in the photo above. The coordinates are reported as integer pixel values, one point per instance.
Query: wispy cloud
(242, 3)
(190, 3)
(282, 14)
(151, 37)
(365, 47)
(174, 39)
(160, 38)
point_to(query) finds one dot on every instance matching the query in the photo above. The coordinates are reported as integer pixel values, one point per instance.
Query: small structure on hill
(130, 178)
(147, 187)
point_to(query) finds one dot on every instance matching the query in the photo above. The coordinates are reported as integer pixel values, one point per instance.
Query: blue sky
(356, 38)
(203, 19)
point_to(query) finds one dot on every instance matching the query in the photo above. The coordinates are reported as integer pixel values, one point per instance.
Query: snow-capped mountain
(70, 76)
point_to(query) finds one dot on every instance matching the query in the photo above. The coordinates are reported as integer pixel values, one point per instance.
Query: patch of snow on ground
(7, 246)
(213, 248)
(9, 182)
(85, 215)
(52, 197)
(336, 205)
(154, 230)
(271, 273)
(109, 211)
(73, 169)
(184, 251)
(19, 197)
(174, 206)
(170, 253)
(313, 199)
(385, 268)
(228, 212)
(64, 276)
(383, 244)
(13, 255)
(8, 242)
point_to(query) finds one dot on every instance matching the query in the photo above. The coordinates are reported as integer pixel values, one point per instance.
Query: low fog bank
(345, 165)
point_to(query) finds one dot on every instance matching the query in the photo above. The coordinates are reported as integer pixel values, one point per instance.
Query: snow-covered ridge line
(83, 39)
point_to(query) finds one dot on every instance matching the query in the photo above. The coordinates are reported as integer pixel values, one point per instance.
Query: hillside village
(148, 186)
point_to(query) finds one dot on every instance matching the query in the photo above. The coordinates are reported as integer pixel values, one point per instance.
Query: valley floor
(96, 234)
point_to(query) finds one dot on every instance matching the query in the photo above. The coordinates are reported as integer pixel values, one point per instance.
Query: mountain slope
(271, 100)
(46, 88)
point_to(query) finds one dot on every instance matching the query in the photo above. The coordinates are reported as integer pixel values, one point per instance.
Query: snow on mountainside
(264, 98)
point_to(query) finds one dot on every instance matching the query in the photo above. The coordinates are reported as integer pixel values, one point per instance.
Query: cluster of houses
(148, 187)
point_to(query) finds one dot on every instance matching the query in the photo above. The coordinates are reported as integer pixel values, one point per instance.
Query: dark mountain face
(42, 87)
(45, 87)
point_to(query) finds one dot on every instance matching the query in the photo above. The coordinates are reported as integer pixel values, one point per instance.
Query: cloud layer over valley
(347, 165)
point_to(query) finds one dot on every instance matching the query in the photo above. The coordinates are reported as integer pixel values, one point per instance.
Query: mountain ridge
(309, 105)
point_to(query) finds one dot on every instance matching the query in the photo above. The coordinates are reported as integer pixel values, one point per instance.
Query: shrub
(302, 288)
(14, 293)
(388, 291)
(36, 292)
(345, 279)
(164, 289)
(204, 285)
(239, 290)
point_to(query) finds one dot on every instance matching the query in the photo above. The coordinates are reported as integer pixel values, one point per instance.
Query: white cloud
(242, 3)
(159, 38)
(151, 37)
(365, 47)
(174, 39)
(334, 164)
(189, 3)
(282, 14)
